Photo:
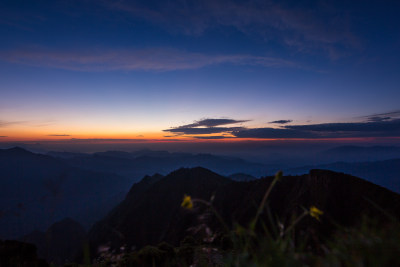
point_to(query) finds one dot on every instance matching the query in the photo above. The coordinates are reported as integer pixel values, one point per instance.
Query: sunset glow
(102, 70)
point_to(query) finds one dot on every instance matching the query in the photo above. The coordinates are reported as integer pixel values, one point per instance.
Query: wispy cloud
(320, 27)
(58, 135)
(2, 136)
(152, 59)
(213, 137)
(281, 121)
(213, 122)
(382, 116)
(4, 123)
(32, 123)
(381, 128)
(207, 126)
(198, 130)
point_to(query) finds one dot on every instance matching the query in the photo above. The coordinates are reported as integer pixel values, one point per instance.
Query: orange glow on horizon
(56, 134)
(154, 137)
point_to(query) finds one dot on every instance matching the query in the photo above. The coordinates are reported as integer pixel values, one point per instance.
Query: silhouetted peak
(17, 151)
(152, 179)
(196, 175)
(192, 171)
(144, 184)
(319, 172)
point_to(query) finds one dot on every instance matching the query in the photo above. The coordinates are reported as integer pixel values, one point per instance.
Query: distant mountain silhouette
(37, 190)
(135, 165)
(61, 243)
(151, 211)
(384, 173)
(65, 155)
(298, 156)
(360, 153)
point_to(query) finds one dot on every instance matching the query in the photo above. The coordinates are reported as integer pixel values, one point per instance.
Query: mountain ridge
(385, 173)
(161, 218)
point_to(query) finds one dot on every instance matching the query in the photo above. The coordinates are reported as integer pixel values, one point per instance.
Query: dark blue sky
(147, 69)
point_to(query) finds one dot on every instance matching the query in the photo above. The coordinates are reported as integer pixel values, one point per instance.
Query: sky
(199, 71)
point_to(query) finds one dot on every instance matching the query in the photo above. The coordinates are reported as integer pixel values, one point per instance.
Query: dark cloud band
(378, 125)
(326, 130)
(207, 126)
(281, 121)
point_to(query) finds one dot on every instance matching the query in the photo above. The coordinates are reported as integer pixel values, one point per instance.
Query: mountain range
(37, 190)
(108, 204)
(40, 189)
(135, 165)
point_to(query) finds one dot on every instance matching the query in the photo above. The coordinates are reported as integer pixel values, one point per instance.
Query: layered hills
(135, 165)
(37, 190)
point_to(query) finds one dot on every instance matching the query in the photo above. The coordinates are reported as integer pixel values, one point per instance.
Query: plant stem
(305, 213)
(264, 200)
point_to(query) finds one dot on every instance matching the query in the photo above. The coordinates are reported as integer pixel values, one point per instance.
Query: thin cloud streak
(152, 59)
(380, 117)
(212, 123)
(377, 126)
(207, 126)
(4, 123)
(212, 137)
(302, 28)
(281, 121)
(209, 130)
(326, 130)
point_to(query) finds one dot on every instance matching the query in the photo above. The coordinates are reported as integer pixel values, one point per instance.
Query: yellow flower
(315, 212)
(187, 202)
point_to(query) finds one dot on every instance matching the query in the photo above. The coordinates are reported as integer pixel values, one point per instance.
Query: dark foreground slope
(151, 212)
